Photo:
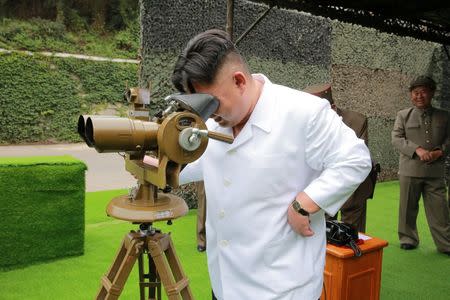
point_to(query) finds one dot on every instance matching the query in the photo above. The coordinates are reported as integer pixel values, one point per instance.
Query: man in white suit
(291, 161)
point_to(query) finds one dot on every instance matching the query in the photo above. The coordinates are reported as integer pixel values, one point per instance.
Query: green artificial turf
(418, 274)
(79, 277)
(41, 209)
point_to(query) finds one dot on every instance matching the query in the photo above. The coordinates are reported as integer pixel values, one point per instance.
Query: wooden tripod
(163, 267)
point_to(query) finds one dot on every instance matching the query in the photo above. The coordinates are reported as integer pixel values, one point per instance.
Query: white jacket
(292, 142)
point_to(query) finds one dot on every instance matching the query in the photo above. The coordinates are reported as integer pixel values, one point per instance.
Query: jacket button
(226, 182)
(223, 243)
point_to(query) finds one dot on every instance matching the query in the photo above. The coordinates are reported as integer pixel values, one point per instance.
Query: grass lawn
(419, 274)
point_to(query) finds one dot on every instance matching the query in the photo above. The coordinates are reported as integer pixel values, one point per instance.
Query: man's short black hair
(201, 59)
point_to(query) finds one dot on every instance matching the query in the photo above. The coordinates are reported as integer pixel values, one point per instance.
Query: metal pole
(230, 16)
(253, 25)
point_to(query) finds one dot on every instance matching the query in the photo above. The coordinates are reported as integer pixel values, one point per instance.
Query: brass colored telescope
(173, 137)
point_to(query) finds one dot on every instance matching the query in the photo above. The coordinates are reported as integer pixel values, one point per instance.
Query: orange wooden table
(347, 277)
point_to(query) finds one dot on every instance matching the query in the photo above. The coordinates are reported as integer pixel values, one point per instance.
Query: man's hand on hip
(300, 223)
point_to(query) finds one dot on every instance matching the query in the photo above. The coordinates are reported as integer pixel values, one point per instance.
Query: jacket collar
(261, 117)
(424, 112)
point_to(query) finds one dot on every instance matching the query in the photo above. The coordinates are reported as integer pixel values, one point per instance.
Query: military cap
(322, 90)
(423, 81)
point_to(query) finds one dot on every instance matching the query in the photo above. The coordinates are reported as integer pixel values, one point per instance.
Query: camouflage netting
(282, 44)
(370, 71)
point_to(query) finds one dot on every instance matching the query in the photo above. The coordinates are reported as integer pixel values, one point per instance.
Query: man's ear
(239, 79)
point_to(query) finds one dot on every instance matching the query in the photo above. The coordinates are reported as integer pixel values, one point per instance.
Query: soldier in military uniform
(354, 209)
(421, 135)
(201, 215)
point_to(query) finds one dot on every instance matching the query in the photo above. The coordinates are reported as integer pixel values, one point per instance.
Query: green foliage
(128, 39)
(33, 35)
(123, 13)
(99, 82)
(38, 102)
(44, 35)
(74, 21)
(76, 15)
(42, 97)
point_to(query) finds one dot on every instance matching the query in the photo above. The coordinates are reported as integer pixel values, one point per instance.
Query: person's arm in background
(364, 132)
(444, 149)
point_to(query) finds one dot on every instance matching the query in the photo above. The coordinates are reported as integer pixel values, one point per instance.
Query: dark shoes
(407, 246)
(201, 248)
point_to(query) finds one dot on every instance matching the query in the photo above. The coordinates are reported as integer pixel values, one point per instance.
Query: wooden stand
(163, 264)
(347, 277)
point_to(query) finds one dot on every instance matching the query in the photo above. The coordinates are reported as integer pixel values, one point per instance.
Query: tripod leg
(149, 280)
(169, 268)
(114, 281)
(142, 279)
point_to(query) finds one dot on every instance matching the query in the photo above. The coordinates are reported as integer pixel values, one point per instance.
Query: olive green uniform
(430, 130)
(354, 209)
(201, 213)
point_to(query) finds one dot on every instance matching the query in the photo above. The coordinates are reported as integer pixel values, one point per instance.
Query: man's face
(421, 97)
(229, 90)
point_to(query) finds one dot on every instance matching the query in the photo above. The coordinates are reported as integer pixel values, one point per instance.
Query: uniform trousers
(201, 213)
(436, 206)
(354, 211)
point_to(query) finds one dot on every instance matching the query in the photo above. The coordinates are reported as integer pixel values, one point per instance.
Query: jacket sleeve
(364, 133)
(343, 160)
(399, 139)
(191, 173)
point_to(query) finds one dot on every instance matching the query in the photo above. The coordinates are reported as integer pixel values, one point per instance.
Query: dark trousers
(201, 213)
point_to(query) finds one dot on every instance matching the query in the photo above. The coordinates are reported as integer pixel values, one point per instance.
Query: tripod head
(173, 137)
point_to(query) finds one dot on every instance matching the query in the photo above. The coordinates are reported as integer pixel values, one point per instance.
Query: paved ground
(106, 171)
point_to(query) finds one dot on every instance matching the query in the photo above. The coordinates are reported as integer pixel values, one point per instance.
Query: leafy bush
(127, 40)
(42, 97)
(100, 82)
(32, 35)
(45, 35)
(38, 102)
